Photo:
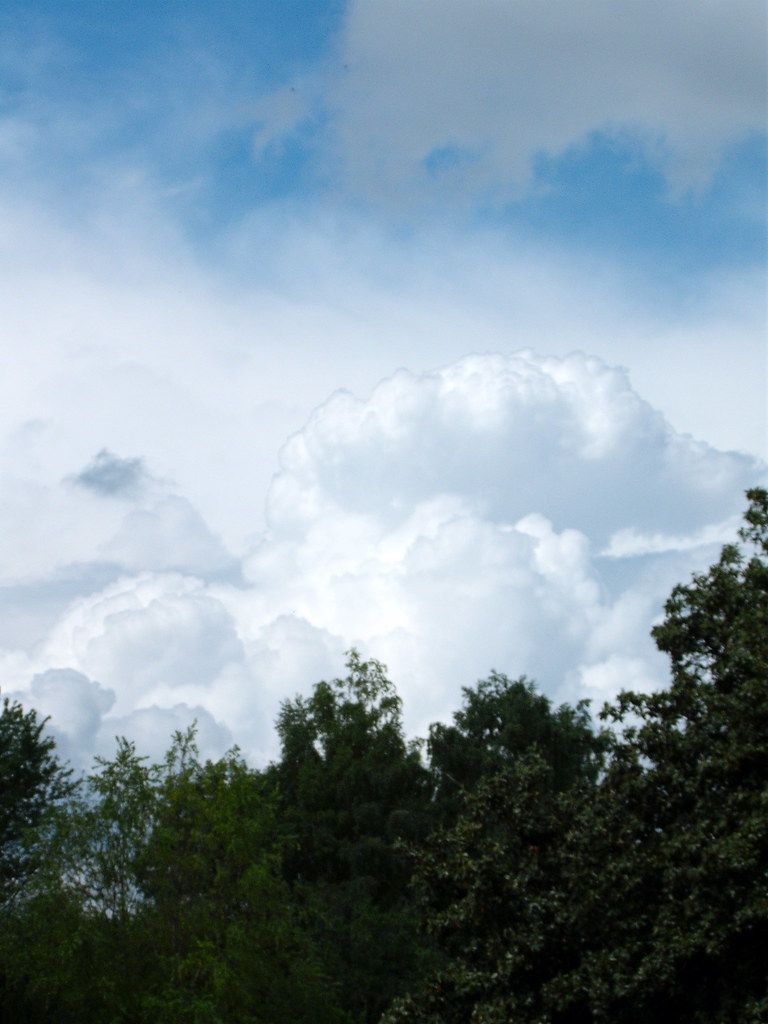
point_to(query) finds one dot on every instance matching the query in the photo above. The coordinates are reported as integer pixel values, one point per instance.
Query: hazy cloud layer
(456, 101)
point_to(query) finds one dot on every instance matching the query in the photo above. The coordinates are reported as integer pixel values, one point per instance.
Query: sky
(433, 329)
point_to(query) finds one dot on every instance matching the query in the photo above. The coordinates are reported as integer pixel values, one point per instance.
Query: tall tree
(691, 830)
(218, 914)
(350, 786)
(69, 945)
(31, 780)
(642, 897)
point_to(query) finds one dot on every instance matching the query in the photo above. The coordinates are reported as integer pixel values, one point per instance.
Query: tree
(69, 946)
(159, 899)
(349, 787)
(499, 721)
(219, 915)
(692, 778)
(486, 887)
(507, 774)
(644, 896)
(31, 780)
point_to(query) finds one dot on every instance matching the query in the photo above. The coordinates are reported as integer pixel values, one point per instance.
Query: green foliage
(227, 945)
(349, 782)
(486, 884)
(159, 899)
(642, 897)
(68, 947)
(691, 773)
(31, 780)
(350, 786)
(499, 721)
(31, 783)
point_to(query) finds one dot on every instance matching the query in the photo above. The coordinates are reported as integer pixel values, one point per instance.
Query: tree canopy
(534, 869)
(157, 897)
(31, 780)
(349, 786)
(499, 721)
(645, 895)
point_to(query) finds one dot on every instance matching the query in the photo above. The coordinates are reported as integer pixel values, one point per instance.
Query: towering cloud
(517, 512)
(209, 223)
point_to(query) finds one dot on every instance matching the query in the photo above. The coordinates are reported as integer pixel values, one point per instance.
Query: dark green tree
(217, 911)
(31, 780)
(645, 896)
(500, 720)
(486, 886)
(159, 899)
(350, 786)
(685, 807)
(69, 945)
(511, 770)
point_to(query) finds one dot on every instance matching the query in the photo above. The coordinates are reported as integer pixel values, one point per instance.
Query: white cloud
(74, 702)
(457, 518)
(601, 681)
(454, 522)
(565, 437)
(631, 542)
(146, 633)
(76, 708)
(151, 730)
(169, 534)
(122, 341)
(522, 512)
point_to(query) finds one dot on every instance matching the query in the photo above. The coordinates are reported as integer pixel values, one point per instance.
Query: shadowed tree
(643, 896)
(159, 899)
(31, 781)
(350, 786)
(500, 720)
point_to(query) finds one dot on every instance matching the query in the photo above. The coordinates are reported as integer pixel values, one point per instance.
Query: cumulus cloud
(203, 381)
(152, 728)
(457, 100)
(75, 705)
(168, 534)
(565, 437)
(459, 517)
(147, 634)
(521, 512)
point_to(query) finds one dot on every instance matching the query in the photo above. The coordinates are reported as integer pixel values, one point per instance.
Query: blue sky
(448, 311)
(178, 90)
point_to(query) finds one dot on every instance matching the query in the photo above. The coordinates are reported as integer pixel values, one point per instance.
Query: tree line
(522, 864)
